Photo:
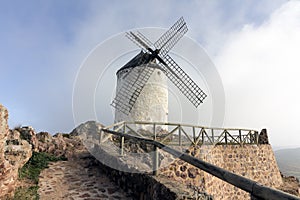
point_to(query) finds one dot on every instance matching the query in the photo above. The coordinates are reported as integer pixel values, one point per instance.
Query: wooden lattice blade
(182, 81)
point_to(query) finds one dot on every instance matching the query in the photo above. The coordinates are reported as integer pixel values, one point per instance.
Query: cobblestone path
(76, 179)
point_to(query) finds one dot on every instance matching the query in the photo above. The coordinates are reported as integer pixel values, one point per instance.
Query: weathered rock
(58, 145)
(290, 185)
(263, 137)
(90, 127)
(27, 133)
(14, 153)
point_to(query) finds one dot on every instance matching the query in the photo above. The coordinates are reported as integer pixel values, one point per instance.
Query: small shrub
(66, 135)
(17, 127)
(31, 171)
(26, 193)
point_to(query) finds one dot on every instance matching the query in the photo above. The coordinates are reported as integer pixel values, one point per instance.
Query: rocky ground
(79, 178)
(290, 185)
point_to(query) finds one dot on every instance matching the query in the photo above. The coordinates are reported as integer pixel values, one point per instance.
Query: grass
(26, 193)
(31, 171)
(39, 161)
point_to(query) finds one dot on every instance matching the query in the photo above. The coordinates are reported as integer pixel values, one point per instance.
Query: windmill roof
(141, 58)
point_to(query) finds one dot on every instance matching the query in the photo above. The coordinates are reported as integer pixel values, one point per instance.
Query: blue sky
(43, 44)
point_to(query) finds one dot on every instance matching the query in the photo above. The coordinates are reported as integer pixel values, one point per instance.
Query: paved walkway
(77, 179)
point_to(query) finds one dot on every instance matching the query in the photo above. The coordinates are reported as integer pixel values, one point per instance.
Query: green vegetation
(66, 135)
(26, 193)
(39, 161)
(31, 171)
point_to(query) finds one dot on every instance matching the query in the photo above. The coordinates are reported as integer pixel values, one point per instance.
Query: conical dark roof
(141, 58)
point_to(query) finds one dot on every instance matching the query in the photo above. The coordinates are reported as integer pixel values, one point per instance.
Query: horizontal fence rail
(255, 189)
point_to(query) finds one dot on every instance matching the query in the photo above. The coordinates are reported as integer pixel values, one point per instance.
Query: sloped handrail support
(114, 125)
(169, 134)
(207, 136)
(230, 136)
(186, 134)
(196, 135)
(133, 131)
(221, 137)
(197, 139)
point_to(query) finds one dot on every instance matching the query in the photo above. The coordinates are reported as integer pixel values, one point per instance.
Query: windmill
(137, 92)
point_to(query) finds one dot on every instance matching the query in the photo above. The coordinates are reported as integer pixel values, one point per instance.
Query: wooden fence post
(225, 136)
(100, 136)
(257, 136)
(179, 135)
(154, 131)
(122, 141)
(155, 160)
(194, 135)
(202, 132)
(240, 135)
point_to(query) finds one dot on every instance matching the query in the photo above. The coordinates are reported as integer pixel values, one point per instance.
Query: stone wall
(143, 185)
(14, 153)
(184, 173)
(256, 162)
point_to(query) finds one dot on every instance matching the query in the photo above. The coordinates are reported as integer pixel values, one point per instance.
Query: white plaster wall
(152, 103)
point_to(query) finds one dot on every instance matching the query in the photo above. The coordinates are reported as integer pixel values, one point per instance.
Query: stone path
(76, 179)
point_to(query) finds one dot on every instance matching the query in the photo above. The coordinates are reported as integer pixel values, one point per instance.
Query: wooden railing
(185, 134)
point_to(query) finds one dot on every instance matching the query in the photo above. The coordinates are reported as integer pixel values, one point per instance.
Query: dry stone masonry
(256, 162)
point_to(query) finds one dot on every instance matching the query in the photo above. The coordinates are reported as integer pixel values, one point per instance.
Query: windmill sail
(138, 41)
(167, 41)
(137, 77)
(131, 88)
(182, 81)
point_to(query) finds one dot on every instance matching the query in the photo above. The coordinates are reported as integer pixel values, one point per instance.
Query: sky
(254, 45)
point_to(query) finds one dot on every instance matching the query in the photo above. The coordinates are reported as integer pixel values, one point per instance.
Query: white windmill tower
(142, 93)
(150, 102)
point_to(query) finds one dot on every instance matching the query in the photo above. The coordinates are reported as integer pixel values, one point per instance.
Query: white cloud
(260, 67)
(53, 42)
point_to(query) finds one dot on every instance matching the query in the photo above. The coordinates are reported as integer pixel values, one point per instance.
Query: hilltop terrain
(71, 177)
(289, 161)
